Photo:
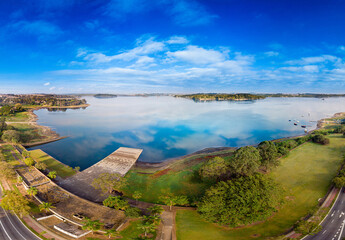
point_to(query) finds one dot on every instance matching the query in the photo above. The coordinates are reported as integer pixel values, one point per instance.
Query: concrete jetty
(120, 161)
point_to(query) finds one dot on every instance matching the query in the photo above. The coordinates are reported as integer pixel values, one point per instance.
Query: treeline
(221, 96)
(241, 193)
(41, 100)
(310, 95)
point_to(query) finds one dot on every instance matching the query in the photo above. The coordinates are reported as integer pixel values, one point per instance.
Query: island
(200, 97)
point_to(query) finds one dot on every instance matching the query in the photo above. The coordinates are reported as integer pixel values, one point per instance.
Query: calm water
(167, 127)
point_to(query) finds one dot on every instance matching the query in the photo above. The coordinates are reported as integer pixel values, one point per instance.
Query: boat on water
(303, 126)
(295, 124)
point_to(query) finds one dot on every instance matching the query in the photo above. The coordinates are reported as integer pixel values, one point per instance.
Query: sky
(172, 46)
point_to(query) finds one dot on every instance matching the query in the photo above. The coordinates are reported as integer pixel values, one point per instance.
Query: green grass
(53, 165)
(6, 154)
(305, 174)
(132, 232)
(180, 179)
(18, 117)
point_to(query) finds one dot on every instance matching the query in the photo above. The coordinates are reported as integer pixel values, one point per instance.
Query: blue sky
(178, 46)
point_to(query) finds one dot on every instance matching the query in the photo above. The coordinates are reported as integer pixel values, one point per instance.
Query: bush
(302, 140)
(321, 139)
(214, 169)
(321, 131)
(133, 212)
(283, 151)
(339, 182)
(11, 136)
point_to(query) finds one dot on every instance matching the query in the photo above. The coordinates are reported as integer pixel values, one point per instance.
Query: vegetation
(51, 163)
(137, 195)
(29, 161)
(241, 201)
(7, 170)
(92, 225)
(221, 96)
(269, 154)
(108, 182)
(321, 139)
(32, 191)
(45, 206)
(170, 200)
(116, 202)
(305, 175)
(15, 202)
(52, 174)
(245, 162)
(214, 169)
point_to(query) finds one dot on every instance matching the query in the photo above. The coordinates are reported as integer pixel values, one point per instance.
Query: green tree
(107, 182)
(32, 191)
(92, 225)
(45, 206)
(214, 169)
(269, 154)
(29, 161)
(7, 170)
(339, 182)
(112, 233)
(137, 195)
(170, 200)
(156, 210)
(52, 174)
(246, 161)
(3, 125)
(306, 227)
(77, 169)
(41, 166)
(241, 201)
(18, 107)
(25, 154)
(11, 136)
(15, 202)
(147, 227)
(116, 202)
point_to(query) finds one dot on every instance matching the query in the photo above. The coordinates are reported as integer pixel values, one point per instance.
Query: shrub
(321, 139)
(339, 182)
(214, 169)
(133, 212)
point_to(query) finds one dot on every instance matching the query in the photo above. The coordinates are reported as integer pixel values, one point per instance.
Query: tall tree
(29, 161)
(116, 202)
(45, 206)
(137, 195)
(147, 227)
(214, 169)
(245, 161)
(107, 182)
(32, 191)
(269, 154)
(52, 174)
(92, 225)
(112, 233)
(170, 200)
(15, 202)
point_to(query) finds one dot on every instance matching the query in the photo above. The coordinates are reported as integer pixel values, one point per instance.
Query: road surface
(333, 225)
(11, 228)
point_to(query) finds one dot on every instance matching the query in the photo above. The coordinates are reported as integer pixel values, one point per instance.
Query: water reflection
(167, 127)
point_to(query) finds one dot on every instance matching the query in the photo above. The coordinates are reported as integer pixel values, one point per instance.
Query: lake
(167, 127)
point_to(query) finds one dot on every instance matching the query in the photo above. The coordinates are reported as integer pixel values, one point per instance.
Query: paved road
(333, 225)
(11, 228)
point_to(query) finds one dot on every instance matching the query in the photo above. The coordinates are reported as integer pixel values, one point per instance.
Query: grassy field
(18, 117)
(179, 178)
(132, 232)
(53, 165)
(305, 174)
(6, 154)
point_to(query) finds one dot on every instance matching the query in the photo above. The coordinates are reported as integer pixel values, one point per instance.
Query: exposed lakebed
(168, 127)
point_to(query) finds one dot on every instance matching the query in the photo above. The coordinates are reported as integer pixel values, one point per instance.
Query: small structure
(71, 230)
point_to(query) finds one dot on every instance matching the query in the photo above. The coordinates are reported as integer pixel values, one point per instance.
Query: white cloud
(177, 40)
(307, 68)
(271, 53)
(314, 60)
(342, 48)
(47, 84)
(52, 88)
(198, 55)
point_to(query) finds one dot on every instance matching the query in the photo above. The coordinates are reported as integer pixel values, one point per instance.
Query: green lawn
(305, 174)
(5, 151)
(132, 232)
(18, 117)
(53, 165)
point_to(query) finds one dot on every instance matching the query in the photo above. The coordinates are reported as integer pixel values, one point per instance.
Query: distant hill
(105, 96)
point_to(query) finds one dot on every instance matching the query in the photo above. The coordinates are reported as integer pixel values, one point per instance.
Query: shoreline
(153, 165)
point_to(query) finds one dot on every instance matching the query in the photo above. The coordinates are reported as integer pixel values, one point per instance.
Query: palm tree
(147, 227)
(112, 233)
(137, 195)
(156, 210)
(32, 191)
(45, 206)
(92, 225)
(52, 174)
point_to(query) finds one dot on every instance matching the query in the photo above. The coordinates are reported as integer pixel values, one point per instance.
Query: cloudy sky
(178, 46)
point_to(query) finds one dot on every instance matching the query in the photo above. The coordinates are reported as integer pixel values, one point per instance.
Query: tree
(242, 200)
(107, 182)
(112, 233)
(3, 125)
(339, 181)
(116, 202)
(18, 107)
(170, 200)
(52, 174)
(25, 154)
(11, 136)
(92, 225)
(156, 210)
(321, 139)
(45, 206)
(269, 154)
(306, 227)
(137, 195)
(29, 161)
(245, 162)
(15, 202)
(147, 227)
(41, 166)
(32, 191)
(77, 169)
(7, 170)
(214, 169)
